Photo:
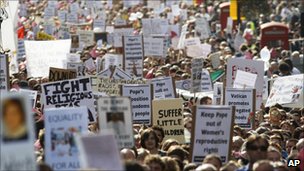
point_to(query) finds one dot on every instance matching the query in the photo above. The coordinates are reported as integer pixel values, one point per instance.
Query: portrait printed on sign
(13, 120)
(116, 121)
(63, 143)
(75, 41)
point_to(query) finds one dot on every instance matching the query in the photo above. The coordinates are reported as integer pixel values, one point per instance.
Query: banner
(287, 91)
(4, 75)
(206, 81)
(41, 55)
(115, 113)
(212, 132)
(163, 87)
(31, 95)
(244, 102)
(58, 74)
(168, 113)
(141, 97)
(196, 71)
(99, 151)
(17, 134)
(78, 67)
(61, 152)
(251, 66)
(133, 55)
(69, 93)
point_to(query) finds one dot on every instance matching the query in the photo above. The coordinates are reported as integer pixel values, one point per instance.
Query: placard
(202, 28)
(69, 93)
(90, 65)
(244, 102)
(168, 113)
(41, 55)
(78, 67)
(265, 88)
(287, 91)
(61, 152)
(183, 84)
(218, 93)
(212, 132)
(141, 97)
(196, 74)
(115, 113)
(73, 57)
(31, 95)
(194, 41)
(251, 66)
(16, 144)
(112, 60)
(4, 75)
(86, 37)
(21, 49)
(118, 33)
(154, 47)
(244, 79)
(206, 81)
(99, 151)
(133, 55)
(163, 87)
(59, 74)
(100, 23)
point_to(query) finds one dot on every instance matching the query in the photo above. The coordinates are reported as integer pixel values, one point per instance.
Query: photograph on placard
(75, 41)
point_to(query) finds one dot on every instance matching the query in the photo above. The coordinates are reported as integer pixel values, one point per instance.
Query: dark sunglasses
(255, 148)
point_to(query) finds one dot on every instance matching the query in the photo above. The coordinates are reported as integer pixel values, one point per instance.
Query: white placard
(86, 37)
(212, 132)
(78, 66)
(73, 57)
(62, 15)
(163, 87)
(141, 98)
(115, 113)
(244, 79)
(4, 75)
(202, 28)
(100, 23)
(72, 18)
(21, 49)
(31, 95)
(49, 12)
(69, 93)
(244, 102)
(16, 143)
(61, 125)
(112, 60)
(195, 41)
(154, 47)
(89, 64)
(196, 74)
(41, 55)
(133, 55)
(265, 88)
(206, 81)
(218, 90)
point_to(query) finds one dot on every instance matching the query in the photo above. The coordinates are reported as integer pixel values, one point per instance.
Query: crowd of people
(279, 134)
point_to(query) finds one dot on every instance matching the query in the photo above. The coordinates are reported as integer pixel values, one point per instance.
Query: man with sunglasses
(256, 148)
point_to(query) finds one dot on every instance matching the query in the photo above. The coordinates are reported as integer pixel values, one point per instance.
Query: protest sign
(112, 60)
(167, 113)
(118, 33)
(201, 50)
(141, 97)
(99, 151)
(21, 49)
(196, 74)
(86, 37)
(218, 92)
(78, 67)
(16, 144)
(183, 84)
(75, 41)
(133, 55)
(73, 57)
(195, 41)
(90, 65)
(41, 55)
(120, 74)
(4, 75)
(159, 26)
(100, 23)
(202, 28)
(72, 18)
(61, 152)
(287, 91)
(62, 15)
(206, 81)
(58, 74)
(244, 102)
(163, 87)
(31, 96)
(212, 132)
(215, 59)
(244, 79)
(265, 88)
(69, 93)
(154, 47)
(251, 66)
(49, 12)
(115, 113)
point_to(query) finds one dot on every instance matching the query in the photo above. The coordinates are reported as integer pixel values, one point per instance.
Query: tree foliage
(251, 9)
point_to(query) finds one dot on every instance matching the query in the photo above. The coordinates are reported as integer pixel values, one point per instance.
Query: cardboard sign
(4, 75)
(206, 83)
(115, 113)
(78, 67)
(244, 102)
(133, 55)
(244, 79)
(69, 93)
(99, 151)
(41, 55)
(196, 74)
(163, 88)
(31, 95)
(61, 152)
(111, 86)
(17, 150)
(212, 132)
(112, 60)
(141, 98)
(167, 113)
(251, 66)
(154, 47)
(58, 74)
(86, 37)
(287, 91)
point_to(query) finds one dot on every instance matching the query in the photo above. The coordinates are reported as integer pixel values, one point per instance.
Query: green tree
(251, 9)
